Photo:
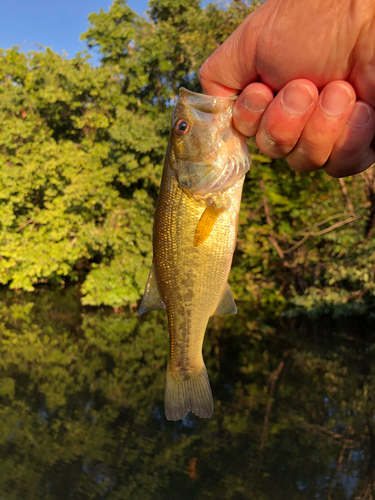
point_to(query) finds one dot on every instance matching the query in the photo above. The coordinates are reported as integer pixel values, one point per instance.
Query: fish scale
(191, 266)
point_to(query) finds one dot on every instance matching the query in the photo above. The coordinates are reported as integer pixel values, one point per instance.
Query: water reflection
(82, 417)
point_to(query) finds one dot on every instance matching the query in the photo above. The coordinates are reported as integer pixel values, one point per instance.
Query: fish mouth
(222, 149)
(203, 179)
(209, 159)
(228, 160)
(206, 103)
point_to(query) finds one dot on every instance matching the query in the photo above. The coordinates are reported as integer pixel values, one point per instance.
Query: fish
(194, 238)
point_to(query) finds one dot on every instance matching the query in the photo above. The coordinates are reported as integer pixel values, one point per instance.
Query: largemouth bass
(195, 231)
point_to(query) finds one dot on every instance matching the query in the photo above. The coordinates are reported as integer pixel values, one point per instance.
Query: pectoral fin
(151, 298)
(227, 304)
(206, 223)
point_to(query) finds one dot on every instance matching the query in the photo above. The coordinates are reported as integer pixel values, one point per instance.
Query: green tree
(81, 153)
(81, 148)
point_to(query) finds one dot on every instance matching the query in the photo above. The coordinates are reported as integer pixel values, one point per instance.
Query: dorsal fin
(226, 304)
(151, 298)
(206, 223)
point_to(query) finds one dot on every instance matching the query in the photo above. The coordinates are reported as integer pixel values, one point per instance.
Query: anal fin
(226, 304)
(151, 298)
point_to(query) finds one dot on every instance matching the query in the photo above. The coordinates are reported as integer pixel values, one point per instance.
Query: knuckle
(274, 147)
(299, 164)
(305, 159)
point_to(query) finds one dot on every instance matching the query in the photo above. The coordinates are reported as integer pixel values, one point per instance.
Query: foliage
(60, 207)
(305, 241)
(81, 153)
(81, 147)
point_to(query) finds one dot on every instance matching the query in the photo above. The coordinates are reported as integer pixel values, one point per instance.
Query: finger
(352, 152)
(323, 128)
(285, 118)
(225, 73)
(250, 106)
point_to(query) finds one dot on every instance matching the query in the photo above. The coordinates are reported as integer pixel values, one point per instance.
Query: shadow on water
(81, 407)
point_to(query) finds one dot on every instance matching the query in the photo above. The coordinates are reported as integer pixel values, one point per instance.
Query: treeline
(81, 153)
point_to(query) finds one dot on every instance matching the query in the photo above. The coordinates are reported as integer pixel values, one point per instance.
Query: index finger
(232, 66)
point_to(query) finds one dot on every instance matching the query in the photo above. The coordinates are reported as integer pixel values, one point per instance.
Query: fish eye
(181, 127)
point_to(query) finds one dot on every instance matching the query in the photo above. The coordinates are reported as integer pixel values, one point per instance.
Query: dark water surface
(82, 417)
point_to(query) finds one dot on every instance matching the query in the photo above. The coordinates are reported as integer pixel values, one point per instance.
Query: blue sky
(52, 23)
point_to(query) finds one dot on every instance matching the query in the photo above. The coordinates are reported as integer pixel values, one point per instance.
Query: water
(81, 407)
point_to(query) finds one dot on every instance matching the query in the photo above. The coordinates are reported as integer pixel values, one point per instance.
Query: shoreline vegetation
(81, 153)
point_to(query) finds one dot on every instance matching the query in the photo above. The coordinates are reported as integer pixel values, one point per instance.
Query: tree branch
(323, 231)
(346, 196)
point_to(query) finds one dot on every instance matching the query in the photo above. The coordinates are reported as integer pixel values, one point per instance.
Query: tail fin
(187, 392)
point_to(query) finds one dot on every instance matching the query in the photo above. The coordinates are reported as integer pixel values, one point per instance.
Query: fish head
(206, 153)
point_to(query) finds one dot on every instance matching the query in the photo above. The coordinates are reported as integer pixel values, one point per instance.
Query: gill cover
(208, 155)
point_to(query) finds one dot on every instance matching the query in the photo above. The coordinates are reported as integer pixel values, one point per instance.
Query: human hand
(293, 48)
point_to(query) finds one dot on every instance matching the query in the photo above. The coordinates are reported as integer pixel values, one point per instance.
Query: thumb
(232, 66)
